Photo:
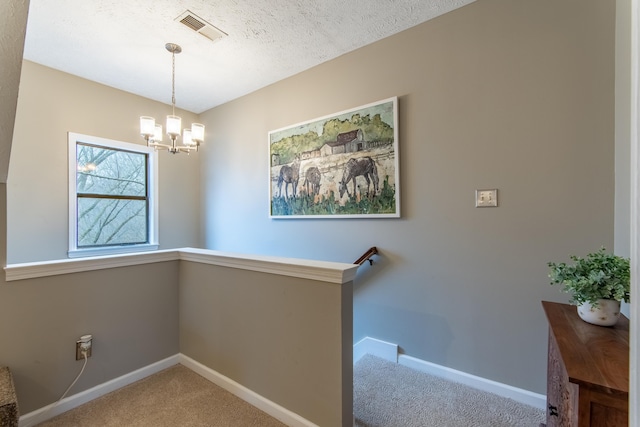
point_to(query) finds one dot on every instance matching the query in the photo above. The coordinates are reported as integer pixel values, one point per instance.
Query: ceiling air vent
(200, 26)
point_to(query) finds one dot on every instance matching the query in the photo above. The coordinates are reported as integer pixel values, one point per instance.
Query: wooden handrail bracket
(367, 256)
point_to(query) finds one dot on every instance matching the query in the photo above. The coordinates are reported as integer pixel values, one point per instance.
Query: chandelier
(152, 132)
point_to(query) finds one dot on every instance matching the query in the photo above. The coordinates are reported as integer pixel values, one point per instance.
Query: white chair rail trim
(325, 271)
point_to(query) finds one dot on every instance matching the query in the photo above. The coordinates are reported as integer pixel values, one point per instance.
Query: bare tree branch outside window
(112, 197)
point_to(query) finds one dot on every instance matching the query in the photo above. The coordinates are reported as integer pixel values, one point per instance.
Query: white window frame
(152, 180)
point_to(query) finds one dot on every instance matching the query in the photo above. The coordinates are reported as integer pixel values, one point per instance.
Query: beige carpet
(173, 397)
(387, 394)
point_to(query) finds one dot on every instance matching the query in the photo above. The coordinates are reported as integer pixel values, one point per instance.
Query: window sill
(115, 250)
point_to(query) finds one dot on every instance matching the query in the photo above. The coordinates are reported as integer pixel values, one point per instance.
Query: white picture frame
(343, 165)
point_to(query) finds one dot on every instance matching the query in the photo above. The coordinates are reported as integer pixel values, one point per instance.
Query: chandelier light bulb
(174, 123)
(157, 134)
(197, 132)
(186, 138)
(147, 126)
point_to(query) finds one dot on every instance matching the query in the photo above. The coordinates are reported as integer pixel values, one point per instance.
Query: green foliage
(598, 276)
(387, 197)
(373, 128)
(303, 204)
(287, 148)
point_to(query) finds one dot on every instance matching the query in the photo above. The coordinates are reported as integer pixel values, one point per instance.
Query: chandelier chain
(173, 82)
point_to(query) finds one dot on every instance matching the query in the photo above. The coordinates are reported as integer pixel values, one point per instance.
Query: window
(112, 197)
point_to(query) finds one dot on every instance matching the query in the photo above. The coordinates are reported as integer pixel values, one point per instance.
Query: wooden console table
(587, 371)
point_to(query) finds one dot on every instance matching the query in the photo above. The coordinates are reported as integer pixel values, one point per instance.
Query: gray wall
(52, 103)
(13, 19)
(623, 133)
(287, 339)
(131, 312)
(623, 127)
(514, 95)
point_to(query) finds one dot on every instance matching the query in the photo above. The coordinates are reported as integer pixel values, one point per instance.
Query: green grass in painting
(303, 204)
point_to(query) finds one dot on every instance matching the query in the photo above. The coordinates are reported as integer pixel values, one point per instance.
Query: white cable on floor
(39, 418)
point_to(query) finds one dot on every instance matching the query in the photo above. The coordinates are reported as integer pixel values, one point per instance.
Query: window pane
(111, 222)
(110, 172)
(112, 203)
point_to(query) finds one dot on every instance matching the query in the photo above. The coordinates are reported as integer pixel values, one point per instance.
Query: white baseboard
(286, 416)
(386, 350)
(519, 395)
(52, 410)
(382, 349)
(280, 413)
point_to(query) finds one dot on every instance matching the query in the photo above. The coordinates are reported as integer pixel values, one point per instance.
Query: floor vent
(200, 26)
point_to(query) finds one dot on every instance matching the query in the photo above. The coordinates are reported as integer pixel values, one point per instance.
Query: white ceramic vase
(605, 314)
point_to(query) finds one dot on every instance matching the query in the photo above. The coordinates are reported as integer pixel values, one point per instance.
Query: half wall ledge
(325, 271)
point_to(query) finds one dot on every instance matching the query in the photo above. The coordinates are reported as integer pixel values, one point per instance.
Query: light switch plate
(487, 198)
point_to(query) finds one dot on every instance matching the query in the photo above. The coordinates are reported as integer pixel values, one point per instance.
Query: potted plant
(596, 283)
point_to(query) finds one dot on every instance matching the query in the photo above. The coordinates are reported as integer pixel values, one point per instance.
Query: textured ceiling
(120, 43)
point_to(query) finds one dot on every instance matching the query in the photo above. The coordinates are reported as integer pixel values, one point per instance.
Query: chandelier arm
(158, 145)
(188, 149)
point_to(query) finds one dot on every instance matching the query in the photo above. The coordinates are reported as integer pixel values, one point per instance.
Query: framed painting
(344, 165)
